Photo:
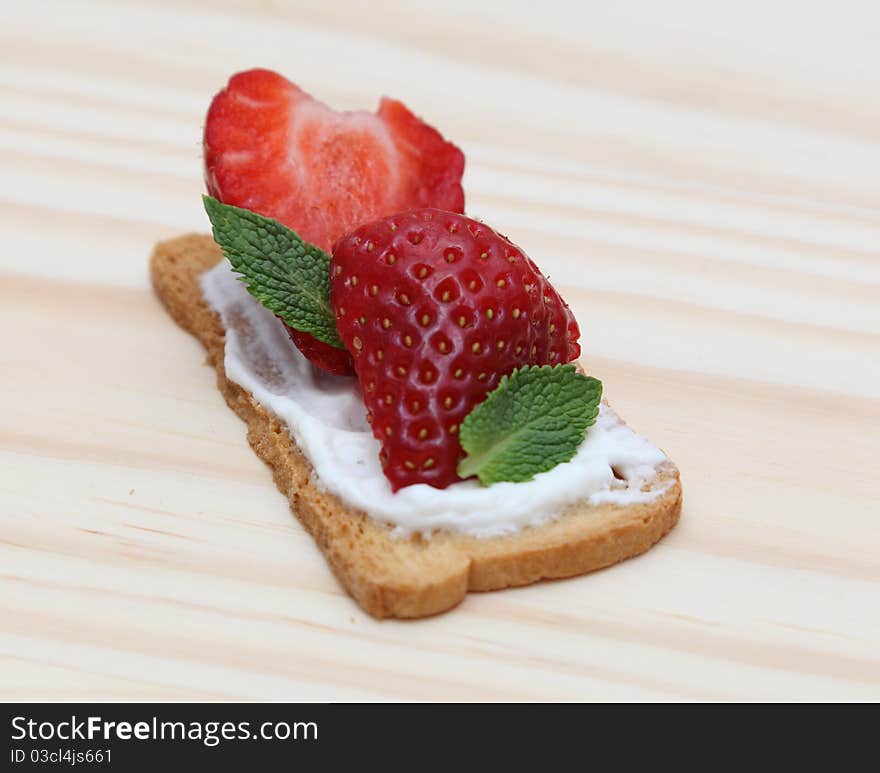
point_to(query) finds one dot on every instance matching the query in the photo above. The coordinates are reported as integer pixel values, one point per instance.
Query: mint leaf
(287, 275)
(533, 420)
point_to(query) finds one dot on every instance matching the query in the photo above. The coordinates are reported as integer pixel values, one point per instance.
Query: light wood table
(702, 183)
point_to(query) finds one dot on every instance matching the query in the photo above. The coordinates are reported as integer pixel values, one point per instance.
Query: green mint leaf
(288, 276)
(533, 420)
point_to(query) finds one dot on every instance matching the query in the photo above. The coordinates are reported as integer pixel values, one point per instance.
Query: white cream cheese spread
(326, 417)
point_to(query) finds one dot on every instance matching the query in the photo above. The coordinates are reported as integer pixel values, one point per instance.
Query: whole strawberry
(435, 308)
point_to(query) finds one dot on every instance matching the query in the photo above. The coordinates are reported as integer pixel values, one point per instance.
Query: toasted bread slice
(390, 575)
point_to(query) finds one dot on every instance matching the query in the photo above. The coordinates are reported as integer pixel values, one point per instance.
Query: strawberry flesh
(435, 307)
(272, 148)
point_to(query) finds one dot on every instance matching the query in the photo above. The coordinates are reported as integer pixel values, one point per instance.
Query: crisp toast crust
(392, 576)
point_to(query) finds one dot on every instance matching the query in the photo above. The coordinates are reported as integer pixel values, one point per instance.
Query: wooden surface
(702, 183)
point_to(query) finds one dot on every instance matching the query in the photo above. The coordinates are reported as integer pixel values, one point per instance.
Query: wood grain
(703, 186)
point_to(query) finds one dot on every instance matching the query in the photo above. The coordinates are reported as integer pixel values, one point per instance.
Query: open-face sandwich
(407, 372)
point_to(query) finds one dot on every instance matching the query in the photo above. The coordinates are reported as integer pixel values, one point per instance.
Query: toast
(387, 574)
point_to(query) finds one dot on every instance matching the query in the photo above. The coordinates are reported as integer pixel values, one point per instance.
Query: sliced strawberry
(272, 148)
(435, 307)
(326, 357)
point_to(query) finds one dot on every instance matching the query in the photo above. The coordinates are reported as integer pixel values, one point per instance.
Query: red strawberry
(435, 307)
(273, 149)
